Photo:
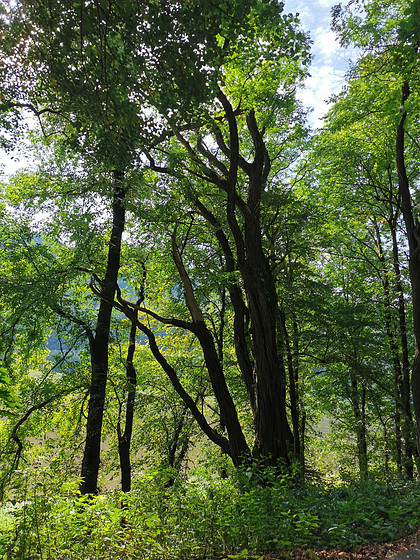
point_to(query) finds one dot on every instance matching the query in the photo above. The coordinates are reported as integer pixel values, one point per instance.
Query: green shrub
(201, 517)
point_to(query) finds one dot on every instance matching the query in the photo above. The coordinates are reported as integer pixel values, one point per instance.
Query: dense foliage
(202, 302)
(204, 517)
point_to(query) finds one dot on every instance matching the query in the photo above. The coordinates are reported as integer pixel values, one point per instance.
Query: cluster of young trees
(204, 263)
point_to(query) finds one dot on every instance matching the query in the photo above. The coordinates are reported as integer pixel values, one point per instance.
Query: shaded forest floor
(392, 549)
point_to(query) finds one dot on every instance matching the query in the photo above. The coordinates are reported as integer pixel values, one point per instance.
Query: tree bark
(99, 346)
(239, 450)
(414, 252)
(124, 437)
(404, 379)
(359, 412)
(401, 381)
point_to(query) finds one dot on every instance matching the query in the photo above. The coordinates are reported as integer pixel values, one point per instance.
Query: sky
(326, 73)
(330, 61)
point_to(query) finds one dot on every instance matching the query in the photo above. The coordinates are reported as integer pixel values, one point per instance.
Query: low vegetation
(204, 516)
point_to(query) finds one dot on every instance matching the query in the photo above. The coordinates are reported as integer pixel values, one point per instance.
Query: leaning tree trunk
(99, 347)
(238, 447)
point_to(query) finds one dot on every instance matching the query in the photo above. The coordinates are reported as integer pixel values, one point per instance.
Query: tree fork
(228, 414)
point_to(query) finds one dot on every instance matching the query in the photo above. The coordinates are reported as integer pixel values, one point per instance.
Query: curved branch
(233, 175)
(192, 304)
(62, 313)
(123, 305)
(236, 446)
(212, 434)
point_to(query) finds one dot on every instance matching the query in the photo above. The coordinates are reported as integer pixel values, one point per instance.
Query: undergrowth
(202, 517)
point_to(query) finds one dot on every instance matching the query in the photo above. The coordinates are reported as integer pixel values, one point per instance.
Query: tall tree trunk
(124, 437)
(401, 381)
(414, 251)
(99, 347)
(405, 389)
(273, 436)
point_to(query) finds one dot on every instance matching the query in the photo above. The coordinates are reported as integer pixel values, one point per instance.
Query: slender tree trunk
(99, 350)
(401, 382)
(405, 388)
(397, 424)
(414, 250)
(124, 438)
(293, 370)
(299, 391)
(359, 412)
(386, 451)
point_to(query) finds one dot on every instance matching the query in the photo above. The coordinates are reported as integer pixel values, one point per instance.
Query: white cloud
(330, 60)
(324, 3)
(322, 83)
(325, 42)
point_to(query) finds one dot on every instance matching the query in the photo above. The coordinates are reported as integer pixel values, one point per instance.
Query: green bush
(201, 517)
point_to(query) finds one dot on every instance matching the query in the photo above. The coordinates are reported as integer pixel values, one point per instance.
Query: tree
(104, 79)
(389, 42)
(359, 170)
(229, 195)
(31, 282)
